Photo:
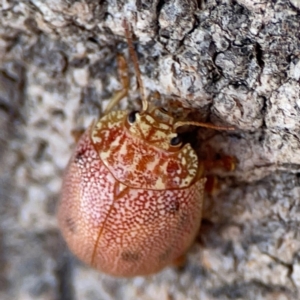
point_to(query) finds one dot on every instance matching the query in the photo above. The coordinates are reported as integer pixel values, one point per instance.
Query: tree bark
(232, 63)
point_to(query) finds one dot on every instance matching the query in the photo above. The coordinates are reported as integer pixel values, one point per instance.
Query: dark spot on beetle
(130, 256)
(172, 167)
(164, 256)
(183, 219)
(78, 156)
(71, 224)
(173, 207)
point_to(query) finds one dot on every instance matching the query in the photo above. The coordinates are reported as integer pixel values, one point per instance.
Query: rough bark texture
(232, 62)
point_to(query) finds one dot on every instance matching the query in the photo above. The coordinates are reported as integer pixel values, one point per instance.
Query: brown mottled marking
(130, 256)
(71, 224)
(174, 206)
(162, 257)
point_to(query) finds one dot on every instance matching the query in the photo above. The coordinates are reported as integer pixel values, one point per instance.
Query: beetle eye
(132, 117)
(175, 141)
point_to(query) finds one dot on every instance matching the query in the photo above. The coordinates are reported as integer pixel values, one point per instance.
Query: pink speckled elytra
(132, 194)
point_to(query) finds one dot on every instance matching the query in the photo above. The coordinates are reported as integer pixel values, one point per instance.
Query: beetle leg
(211, 185)
(225, 162)
(124, 78)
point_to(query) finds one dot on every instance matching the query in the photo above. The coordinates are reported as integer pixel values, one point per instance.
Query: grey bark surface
(234, 63)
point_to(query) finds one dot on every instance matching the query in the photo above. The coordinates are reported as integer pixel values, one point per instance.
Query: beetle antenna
(128, 34)
(199, 124)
